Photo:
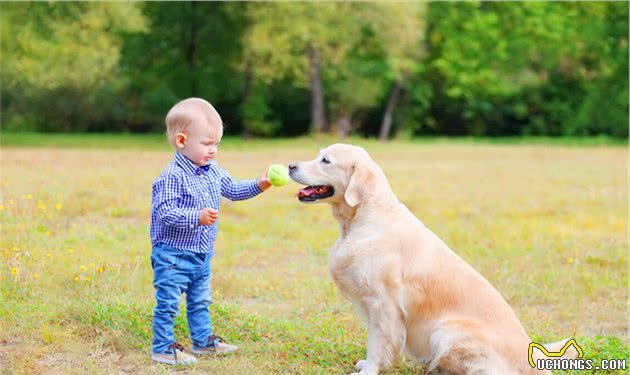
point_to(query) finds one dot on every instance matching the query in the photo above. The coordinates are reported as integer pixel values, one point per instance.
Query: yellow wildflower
(87, 278)
(92, 265)
(83, 268)
(76, 278)
(58, 206)
(100, 269)
(35, 275)
(1, 207)
(14, 271)
(49, 255)
(570, 260)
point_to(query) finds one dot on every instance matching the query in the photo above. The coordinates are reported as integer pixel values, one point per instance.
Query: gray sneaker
(215, 345)
(174, 355)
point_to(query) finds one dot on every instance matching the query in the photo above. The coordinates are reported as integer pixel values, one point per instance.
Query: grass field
(545, 223)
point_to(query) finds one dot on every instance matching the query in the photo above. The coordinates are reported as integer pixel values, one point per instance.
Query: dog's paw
(360, 364)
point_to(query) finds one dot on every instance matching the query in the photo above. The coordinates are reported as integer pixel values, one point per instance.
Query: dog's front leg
(386, 336)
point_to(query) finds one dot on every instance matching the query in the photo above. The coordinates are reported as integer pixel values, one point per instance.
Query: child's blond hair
(186, 112)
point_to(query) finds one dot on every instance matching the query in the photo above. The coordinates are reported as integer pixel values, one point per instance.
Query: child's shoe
(174, 355)
(215, 345)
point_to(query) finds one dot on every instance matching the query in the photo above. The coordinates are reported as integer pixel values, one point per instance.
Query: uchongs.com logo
(561, 360)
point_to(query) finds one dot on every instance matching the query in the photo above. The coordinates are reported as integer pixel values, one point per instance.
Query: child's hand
(207, 216)
(263, 181)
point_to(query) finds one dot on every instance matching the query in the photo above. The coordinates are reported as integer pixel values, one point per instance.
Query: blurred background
(288, 69)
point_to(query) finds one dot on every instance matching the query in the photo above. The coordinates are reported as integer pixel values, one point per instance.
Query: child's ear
(180, 140)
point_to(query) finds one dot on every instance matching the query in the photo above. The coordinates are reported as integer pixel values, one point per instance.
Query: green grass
(157, 141)
(545, 223)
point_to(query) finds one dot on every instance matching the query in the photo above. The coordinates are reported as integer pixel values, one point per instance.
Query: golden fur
(418, 295)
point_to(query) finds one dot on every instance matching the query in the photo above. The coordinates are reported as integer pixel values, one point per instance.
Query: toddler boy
(184, 214)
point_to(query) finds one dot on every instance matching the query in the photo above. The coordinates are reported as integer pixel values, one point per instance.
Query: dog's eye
(325, 160)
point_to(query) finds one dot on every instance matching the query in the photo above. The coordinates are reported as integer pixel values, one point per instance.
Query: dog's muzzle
(310, 193)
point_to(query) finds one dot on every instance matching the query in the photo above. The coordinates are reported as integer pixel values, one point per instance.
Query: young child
(184, 223)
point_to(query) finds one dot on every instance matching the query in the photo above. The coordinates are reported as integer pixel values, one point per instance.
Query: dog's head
(340, 173)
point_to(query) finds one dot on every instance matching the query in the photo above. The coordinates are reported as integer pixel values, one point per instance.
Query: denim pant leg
(170, 279)
(198, 300)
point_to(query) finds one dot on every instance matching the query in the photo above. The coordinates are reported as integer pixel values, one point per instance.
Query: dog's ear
(358, 188)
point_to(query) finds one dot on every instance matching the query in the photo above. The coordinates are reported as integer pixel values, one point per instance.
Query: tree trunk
(247, 91)
(344, 125)
(386, 125)
(318, 116)
(191, 49)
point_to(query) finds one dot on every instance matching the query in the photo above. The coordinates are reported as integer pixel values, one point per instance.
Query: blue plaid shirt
(180, 192)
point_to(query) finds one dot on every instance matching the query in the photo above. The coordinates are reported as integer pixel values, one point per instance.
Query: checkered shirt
(180, 192)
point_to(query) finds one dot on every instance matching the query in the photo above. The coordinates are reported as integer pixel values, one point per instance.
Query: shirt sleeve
(237, 190)
(166, 192)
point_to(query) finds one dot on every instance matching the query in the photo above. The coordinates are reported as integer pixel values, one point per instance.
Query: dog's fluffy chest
(350, 268)
(339, 261)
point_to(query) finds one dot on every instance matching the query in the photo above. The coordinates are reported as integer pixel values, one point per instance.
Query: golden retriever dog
(418, 295)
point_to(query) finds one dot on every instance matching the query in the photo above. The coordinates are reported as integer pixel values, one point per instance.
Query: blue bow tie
(205, 168)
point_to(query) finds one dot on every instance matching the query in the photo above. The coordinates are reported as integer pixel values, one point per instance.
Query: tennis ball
(278, 175)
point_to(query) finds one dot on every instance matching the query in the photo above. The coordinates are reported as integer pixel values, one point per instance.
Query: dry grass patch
(547, 225)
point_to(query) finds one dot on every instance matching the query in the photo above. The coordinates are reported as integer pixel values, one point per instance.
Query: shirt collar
(188, 165)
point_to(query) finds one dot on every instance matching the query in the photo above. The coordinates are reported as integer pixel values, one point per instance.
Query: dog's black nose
(292, 167)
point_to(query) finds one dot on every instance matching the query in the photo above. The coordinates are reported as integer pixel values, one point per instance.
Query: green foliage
(59, 68)
(470, 68)
(256, 112)
(191, 49)
(528, 68)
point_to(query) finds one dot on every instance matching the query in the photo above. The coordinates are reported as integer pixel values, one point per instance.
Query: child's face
(202, 142)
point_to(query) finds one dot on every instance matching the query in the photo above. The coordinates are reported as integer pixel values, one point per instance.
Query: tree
(514, 68)
(399, 29)
(191, 49)
(291, 40)
(54, 77)
(476, 68)
(350, 59)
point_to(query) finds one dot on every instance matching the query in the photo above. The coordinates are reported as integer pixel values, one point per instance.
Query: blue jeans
(175, 272)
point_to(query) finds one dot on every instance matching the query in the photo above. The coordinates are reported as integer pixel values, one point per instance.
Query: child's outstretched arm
(245, 189)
